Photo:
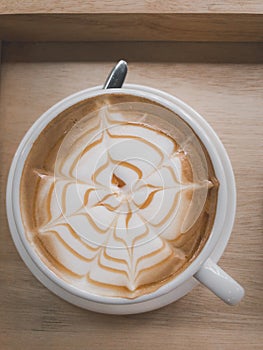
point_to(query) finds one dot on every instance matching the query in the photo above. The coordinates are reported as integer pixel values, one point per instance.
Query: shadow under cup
(119, 220)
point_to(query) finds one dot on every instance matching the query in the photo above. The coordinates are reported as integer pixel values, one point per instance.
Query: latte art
(124, 204)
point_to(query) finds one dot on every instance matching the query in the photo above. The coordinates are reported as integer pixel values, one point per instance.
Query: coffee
(118, 195)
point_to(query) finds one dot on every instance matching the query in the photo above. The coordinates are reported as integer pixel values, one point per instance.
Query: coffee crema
(118, 195)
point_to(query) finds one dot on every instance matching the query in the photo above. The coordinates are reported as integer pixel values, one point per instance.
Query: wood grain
(229, 95)
(127, 26)
(131, 6)
(115, 20)
(134, 52)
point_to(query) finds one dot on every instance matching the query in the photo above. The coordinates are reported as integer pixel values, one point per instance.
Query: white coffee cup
(203, 269)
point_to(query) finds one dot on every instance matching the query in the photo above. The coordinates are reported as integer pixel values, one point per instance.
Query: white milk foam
(122, 192)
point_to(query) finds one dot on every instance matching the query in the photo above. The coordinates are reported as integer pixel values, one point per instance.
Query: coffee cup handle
(220, 283)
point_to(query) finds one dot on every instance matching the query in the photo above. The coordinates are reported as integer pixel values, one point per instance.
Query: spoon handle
(117, 76)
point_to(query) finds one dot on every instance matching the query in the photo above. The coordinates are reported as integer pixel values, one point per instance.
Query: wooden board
(165, 52)
(129, 6)
(132, 27)
(229, 95)
(133, 20)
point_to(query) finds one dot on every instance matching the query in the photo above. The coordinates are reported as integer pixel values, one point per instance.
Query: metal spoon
(117, 76)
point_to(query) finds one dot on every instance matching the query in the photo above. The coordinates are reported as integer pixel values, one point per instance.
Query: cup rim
(223, 169)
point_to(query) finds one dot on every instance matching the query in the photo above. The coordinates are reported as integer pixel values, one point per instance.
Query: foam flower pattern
(119, 197)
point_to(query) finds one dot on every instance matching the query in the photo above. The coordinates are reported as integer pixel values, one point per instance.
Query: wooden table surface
(229, 95)
(131, 20)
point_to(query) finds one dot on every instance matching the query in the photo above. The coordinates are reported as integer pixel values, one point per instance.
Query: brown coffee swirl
(123, 198)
